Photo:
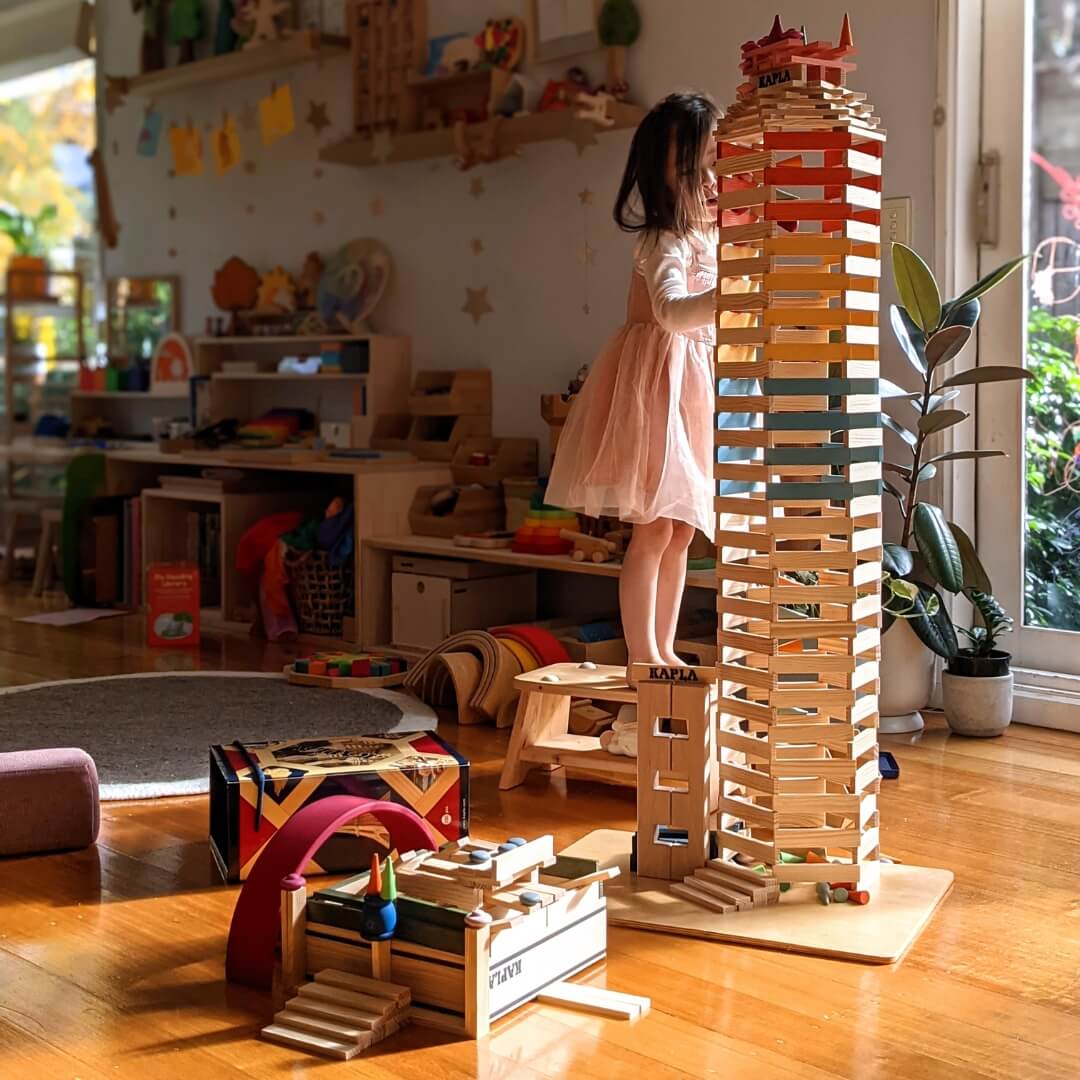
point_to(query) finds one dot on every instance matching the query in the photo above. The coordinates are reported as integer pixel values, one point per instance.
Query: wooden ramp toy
(339, 1014)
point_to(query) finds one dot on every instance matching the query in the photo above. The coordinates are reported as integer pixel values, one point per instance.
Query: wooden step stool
(541, 735)
(48, 552)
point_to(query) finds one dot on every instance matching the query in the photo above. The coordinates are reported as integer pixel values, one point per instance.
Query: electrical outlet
(896, 220)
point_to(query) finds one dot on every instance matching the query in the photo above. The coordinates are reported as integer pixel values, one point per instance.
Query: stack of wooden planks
(340, 1014)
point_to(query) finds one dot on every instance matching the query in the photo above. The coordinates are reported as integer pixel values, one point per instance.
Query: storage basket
(322, 594)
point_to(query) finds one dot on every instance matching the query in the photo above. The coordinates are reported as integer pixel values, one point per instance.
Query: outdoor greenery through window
(47, 129)
(1052, 464)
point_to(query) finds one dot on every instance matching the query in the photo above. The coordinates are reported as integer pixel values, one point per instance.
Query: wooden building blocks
(347, 671)
(802, 475)
(474, 936)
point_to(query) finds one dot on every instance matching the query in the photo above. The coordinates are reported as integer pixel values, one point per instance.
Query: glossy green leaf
(988, 374)
(889, 389)
(936, 401)
(897, 560)
(927, 472)
(932, 625)
(900, 430)
(962, 314)
(968, 455)
(938, 547)
(910, 338)
(994, 278)
(917, 288)
(975, 575)
(945, 344)
(895, 493)
(938, 421)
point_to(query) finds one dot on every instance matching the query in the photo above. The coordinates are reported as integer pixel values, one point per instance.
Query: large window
(1029, 506)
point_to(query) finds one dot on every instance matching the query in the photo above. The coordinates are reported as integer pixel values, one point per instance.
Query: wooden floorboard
(111, 959)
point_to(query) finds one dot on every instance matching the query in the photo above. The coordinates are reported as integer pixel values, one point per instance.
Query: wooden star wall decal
(477, 246)
(585, 197)
(316, 116)
(587, 254)
(582, 135)
(476, 187)
(377, 206)
(476, 304)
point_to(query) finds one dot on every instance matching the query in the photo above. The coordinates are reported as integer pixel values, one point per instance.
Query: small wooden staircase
(340, 1014)
(725, 887)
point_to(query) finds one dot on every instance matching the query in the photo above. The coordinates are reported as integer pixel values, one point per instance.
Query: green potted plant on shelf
(30, 279)
(934, 554)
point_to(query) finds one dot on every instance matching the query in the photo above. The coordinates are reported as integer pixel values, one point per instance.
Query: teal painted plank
(821, 421)
(831, 454)
(827, 387)
(826, 489)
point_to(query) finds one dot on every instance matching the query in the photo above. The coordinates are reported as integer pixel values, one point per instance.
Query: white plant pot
(978, 705)
(907, 679)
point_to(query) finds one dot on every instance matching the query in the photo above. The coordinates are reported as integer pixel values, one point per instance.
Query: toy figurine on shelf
(619, 26)
(152, 46)
(637, 445)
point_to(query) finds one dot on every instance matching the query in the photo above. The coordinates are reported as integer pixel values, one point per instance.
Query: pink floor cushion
(48, 801)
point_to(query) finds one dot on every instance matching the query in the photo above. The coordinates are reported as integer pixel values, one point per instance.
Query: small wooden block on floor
(877, 933)
(595, 999)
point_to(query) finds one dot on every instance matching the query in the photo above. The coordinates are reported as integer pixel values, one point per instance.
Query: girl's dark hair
(689, 119)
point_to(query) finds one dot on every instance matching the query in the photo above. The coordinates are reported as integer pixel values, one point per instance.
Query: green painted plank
(827, 387)
(830, 454)
(821, 421)
(826, 489)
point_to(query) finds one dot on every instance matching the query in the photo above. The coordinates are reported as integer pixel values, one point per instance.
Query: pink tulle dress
(638, 443)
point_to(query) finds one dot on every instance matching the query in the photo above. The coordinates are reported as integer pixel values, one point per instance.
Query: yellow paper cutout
(276, 115)
(225, 145)
(186, 146)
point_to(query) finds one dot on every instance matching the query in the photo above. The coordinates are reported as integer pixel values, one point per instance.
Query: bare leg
(638, 584)
(670, 585)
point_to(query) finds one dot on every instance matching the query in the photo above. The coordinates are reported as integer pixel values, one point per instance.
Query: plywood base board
(877, 933)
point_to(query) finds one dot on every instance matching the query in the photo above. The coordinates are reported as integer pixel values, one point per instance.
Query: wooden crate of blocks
(799, 457)
(389, 47)
(476, 926)
(347, 671)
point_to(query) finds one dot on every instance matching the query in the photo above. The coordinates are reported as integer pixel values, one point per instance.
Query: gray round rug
(150, 734)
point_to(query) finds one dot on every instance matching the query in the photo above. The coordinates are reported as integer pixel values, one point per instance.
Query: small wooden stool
(541, 735)
(48, 552)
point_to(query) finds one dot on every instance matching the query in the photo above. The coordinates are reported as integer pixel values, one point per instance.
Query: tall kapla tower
(798, 464)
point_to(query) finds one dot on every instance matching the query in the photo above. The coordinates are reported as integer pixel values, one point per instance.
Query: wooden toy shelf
(300, 47)
(360, 151)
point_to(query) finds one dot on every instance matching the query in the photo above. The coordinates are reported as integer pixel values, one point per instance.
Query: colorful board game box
(256, 787)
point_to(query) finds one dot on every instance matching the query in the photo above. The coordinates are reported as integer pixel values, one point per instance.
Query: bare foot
(671, 660)
(652, 661)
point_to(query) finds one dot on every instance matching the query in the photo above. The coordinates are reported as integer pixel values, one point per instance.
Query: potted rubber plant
(25, 231)
(933, 555)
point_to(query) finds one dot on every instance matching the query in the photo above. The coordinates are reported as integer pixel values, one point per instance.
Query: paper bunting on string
(186, 146)
(149, 134)
(276, 117)
(225, 144)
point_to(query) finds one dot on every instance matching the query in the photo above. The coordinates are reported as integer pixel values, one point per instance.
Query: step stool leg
(11, 532)
(539, 716)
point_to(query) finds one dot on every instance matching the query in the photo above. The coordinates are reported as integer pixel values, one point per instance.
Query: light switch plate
(896, 220)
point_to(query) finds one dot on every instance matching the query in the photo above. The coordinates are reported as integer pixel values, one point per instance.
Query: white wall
(529, 218)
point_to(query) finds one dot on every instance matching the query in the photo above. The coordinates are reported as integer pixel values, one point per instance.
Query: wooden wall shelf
(301, 47)
(360, 151)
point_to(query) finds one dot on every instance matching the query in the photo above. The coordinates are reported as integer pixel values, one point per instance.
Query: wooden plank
(700, 896)
(315, 1044)
(594, 999)
(376, 988)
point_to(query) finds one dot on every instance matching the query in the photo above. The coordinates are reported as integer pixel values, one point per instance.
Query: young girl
(638, 443)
